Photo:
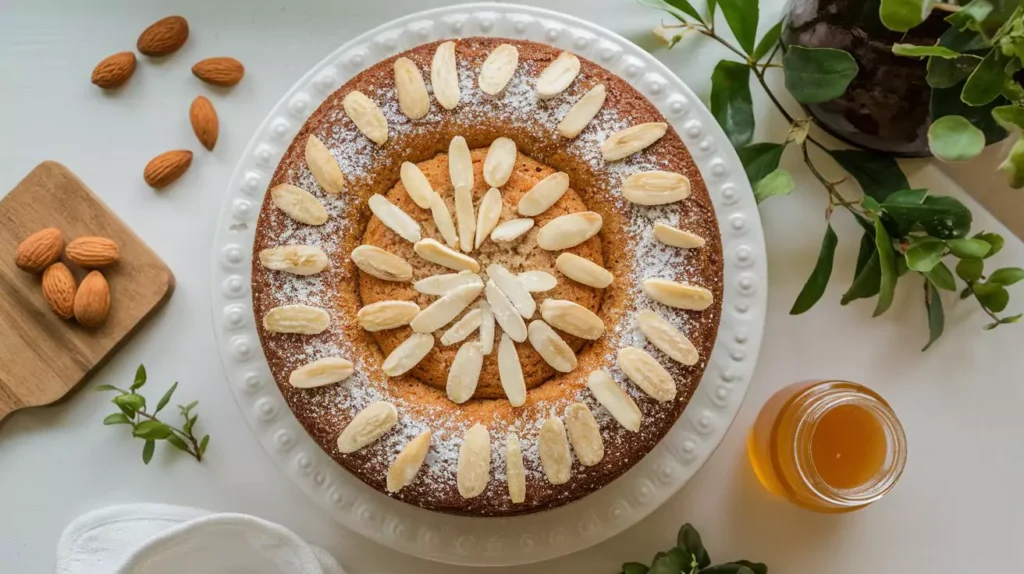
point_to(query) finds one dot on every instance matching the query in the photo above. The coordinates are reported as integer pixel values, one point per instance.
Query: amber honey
(829, 446)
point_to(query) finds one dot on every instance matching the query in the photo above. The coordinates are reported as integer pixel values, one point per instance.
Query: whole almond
(37, 251)
(219, 71)
(59, 289)
(204, 121)
(162, 170)
(114, 70)
(92, 252)
(163, 37)
(92, 301)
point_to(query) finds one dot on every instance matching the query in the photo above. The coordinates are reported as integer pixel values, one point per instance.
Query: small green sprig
(689, 557)
(147, 427)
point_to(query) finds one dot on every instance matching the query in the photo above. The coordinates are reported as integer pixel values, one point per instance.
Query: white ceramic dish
(621, 504)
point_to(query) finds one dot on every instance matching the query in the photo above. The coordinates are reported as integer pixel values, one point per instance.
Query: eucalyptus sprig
(904, 230)
(146, 426)
(688, 556)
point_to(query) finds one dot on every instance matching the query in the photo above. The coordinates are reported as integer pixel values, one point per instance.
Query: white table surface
(956, 508)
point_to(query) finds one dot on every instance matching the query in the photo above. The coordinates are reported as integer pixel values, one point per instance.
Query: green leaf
(778, 182)
(993, 239)
(924, 51)
(742, 18)
(147, 451)
(1009, 320)
(954, 138)
(140, 377)
(731, 103)
(968, 248)
(867, 282)
(116, 419)
(907, 197)
(164, 399)
(1010, 117)
(202, 445)
(961, 39)
(686, 8)
(902, 15)
(970, 269)
(689, 539)
(131, 402)
(760, 159)
(943, 73)
(814, 288)
(878, 175)
(1013, 166)
(152, 430)
(672, 562)
(993, 297)
(986, 81)
(768, 41)
(941, 277)
(870, 204)
(946, 102)
(1007, 276)
(106, 388)
(190, 406)
(815, 75)
(936, 316)
(634, 568)
(924, 254)
(177, 443)
(189, 423)
(738, 567)
(887, 263)
(678, 9)
(942, 217)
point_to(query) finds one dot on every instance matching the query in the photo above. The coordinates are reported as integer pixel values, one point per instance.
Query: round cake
(487, 276)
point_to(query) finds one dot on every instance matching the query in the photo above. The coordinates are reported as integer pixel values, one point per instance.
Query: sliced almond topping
(537, 281)
(584, 434)
(558, 75)
(443, 221)
(498, 68)
(551, 347)
(413, 99)
(679, 295)
(474, 468)
(582, 112)
(488, 215)
(366, 427)
(510, 371)
(386, 315)
(465, 217)
(462, 328)
(511, 230)
(572, 318)
(444, 76)
(408, 354)
(500, 160)
(416, 184)
(464, 373)
(666, 338)
(301, 319)
(460, 164)
(408, 462)
(299, 204)
(544, 194)
(631, 140)
(443, 284)
(381, 264)
(297, 259)
(441, 312)
(568, 231)
(584, 271)
(505, 313)
(486, 328)
(655, 187)
(515, 474)
(647, 373)
(555, 457)
(394, 218)
(677, 237)
(321, 372)
(513, 288)
(615, 400)
(437, 253)
(367, 116)
(324, 166)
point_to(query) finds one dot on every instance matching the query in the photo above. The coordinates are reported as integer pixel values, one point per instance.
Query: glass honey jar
(828, 446)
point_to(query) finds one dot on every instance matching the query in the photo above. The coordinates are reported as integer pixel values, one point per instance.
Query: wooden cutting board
(43, 357)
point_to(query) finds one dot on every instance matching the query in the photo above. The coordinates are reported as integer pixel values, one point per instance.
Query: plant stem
(945, 7)
(188, 437)
(834, 195)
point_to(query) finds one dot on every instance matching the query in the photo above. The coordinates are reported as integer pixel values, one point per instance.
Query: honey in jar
(829, 446)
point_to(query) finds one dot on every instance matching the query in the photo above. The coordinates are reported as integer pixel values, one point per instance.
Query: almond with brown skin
(59, 290)
(92, 252)
(163, 37)
(219, 71)
(162, 170)
(114, 70)
(204, 121)
(37, 251)
(92, 301)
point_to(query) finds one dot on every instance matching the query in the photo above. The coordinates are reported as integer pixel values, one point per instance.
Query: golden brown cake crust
(625, 246)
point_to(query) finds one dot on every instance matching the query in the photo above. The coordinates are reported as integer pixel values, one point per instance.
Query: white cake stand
(621, 504)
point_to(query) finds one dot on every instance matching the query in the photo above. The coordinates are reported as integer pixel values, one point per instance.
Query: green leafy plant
(688, 556)
(146, 426)
(905, 231)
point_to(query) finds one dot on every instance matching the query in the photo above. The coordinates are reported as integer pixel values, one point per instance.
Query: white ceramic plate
(621, 504)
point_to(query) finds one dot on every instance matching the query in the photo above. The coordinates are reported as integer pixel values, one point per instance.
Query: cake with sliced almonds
(487, 276)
